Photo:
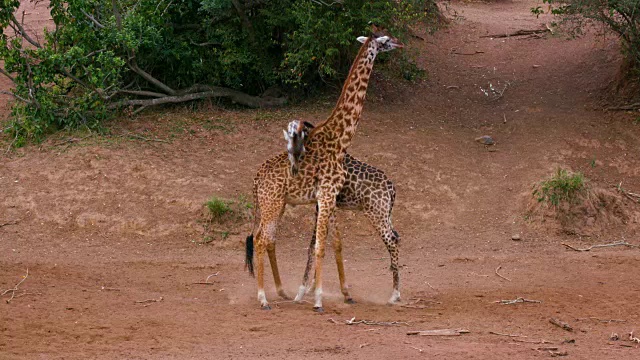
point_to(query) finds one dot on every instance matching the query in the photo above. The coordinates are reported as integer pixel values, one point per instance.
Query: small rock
(516, 237)
(536, 66)
(485, 140)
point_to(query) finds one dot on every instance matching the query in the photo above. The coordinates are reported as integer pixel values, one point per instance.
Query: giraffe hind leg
(337, 247)
(392, 247)
(382, 222)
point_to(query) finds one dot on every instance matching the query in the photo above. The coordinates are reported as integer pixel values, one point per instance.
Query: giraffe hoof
(318, 309)
(284, 296)
(266, 307)
(349, 301)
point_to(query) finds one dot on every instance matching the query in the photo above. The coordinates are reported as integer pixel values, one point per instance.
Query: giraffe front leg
(260, 248)
(271, 251)
(304, 288)
(326, 205)
(337, 247)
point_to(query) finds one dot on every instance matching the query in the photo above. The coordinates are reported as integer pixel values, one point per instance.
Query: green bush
(620, 16)
(562, 187)
(218, 208)
(105, 55)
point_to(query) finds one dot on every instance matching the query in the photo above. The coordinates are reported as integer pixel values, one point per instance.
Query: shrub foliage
(103, 55)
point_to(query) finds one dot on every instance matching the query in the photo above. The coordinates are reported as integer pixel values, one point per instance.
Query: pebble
(486, 140)
(516, 237)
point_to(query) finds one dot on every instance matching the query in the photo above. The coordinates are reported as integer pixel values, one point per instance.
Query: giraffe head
(381, 39)
(295, 135)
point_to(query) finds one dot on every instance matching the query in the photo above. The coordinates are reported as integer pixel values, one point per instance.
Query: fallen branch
(543, 341)
(618, 243)
(473, 53)
(498, 268)
(439, 332)
(517, 33)
(15, 288)
(353, 321)
(149, 301)
(603, 320)
(563, 325)
(509, 335)
(517, 300)
(558, 353)
(235, 96)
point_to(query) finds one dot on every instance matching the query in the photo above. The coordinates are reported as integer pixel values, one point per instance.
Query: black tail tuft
(396, 236)
(248, 260)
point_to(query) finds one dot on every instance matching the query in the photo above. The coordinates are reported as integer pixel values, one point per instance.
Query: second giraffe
(367, 189)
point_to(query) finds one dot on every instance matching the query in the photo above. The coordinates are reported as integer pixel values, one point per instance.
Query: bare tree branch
(141, 93)
(246, 24)
(23, 33)
(15, 96)
(235, 96)
(96, 22)
(5, 73)
(134, 66)
(117, 15)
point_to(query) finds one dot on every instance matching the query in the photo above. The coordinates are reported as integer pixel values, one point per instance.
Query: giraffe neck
(341, 124)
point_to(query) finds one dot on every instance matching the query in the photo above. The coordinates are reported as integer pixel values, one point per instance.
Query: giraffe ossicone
(320, 175)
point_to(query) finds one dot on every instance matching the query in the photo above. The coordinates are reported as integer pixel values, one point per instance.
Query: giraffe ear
(362, 39)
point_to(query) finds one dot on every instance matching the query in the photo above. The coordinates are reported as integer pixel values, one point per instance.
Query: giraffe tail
(248, 260)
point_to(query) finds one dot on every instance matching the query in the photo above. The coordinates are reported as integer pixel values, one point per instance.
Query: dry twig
(563, 325)
(149, 301)
(15, 288)
(206, 281)
(532, 342)
(473, 53)
(439, 332)
(509, 335)
(14, 222)
(353, 321)
(617, 243)
(558, 353)
(517, 300)
(603, 320)
(498, 268)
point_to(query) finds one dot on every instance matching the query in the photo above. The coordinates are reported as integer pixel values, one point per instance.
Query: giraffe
(320, 175)
(365, 188)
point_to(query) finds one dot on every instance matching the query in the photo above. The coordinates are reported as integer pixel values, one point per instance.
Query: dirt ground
(105, 223)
